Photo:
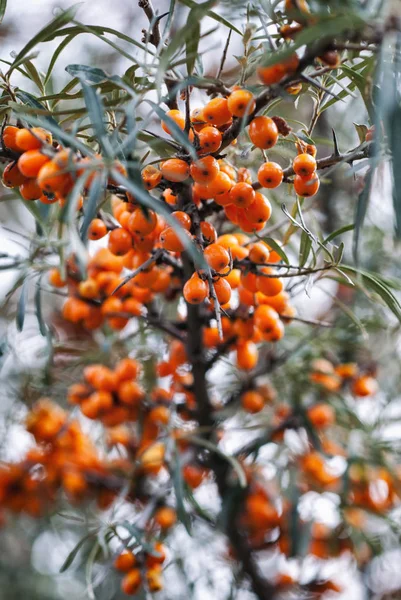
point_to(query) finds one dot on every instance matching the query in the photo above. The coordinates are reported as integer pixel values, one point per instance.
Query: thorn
(335, 142)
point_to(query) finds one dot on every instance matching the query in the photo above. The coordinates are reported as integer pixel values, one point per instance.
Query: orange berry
(208, 232)
(321, 415)
(193, 475)
(55, 278)
(97, 229)
(88, 289)
(304, 165)
(270, 175)
(165, 517)
(275, 73)
(248, 281)
(159, 415)
(32, 139)
(269, 286)
(195, 290)
(279, 302)
(210, 139)
(158, 557)
(183, 219)
(252, 401)
(52, 179)
(263, 132)
(170, 240)
(120, 242)
(142, 223)
(247, 355)
(365, 386)
(175, 169)
(130, 393)
(220, 185)
(217, 257)
(100, 377)
(306, 186)
(259, 253)
(127, 369)
(216, 112)
(242, 195)
(151, 177)
(260, 210)
(12, 176)
(30, 190)
(169, 197)
(346, 370)
(204, 170)
(111, 306)
(241, 103)
(125, 561)
(223, 290)
(10, 138)
(131, 582)
(177, 116)
(265, 318)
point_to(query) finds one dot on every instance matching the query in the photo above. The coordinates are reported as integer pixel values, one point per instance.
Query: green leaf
(21, 306)
(175, 131)
(360, 211)
(71, 556)
(338, 232)
(56, 54)
(91, 204)
(30, 100)
(277, 248)
(394, 138)
(304, 249)
(377, 286)
(179, 492)
(96, 114)
(361, 131)
(87, 74)
(54, 25)
(192, 43)
(3, 6)
(210, 13)
(38, 307)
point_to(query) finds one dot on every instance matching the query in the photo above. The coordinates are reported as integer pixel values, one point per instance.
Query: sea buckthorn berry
(32, 139)
(157, 557)
(88, 289)
(260, 210)
(130, 393)
(175, 169)
(248, 281)
(269, 286)
(195, 290)
(131, 582)
(10, 138)
(346, 370)
(127, 369)
(252, 401)
(223, 290)
(30, 190)
(217, 257)
(241, 103)
(365, 386)
(125, 561)
(220, 185)
(244, 174)
(321, 415)
(52, 179)
(306, 186)
(259, 253)
(151, 177)
(204, 170)
(295, 89)
(304, 165)
(242, 195)
(279, 302)
(263, 132)
(55, 278)
(270, 175)
(12, 176)
(217, 112)
(234, 278)
(165, 517)
(177, 116)
(154, 579)
(120, 241)
(331, 58)
(275, 73)
(247, 355)
(142, 223)
(97, 229)
(210, 139)
(193, 475)
(183, 219)
(265, 318)
(169, 197)
(209, 233)
(170, 240)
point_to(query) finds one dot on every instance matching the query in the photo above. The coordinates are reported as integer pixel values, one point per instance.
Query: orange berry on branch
(268, 283)
(10, 138)
(131, 582)
(275, 73)
(304, 165)
(252, 401)
(242, 195)
(247, 355)
(195, 290)
(175, 169)
(210, 140)
(183, 219)
(125, 561)
(32, 139)
(216, 112)
(241, 103)
(270, 175)
(151, 177)
(219, 186)
(217, 257)
(12, 176)
(120, 241)
(97, 229)
(265, 318)
(165, 517)
(365, 386)
(170, 240)
(223, 290)
(204, 170)
(259, 253)
(177, 116)
(260, 210)
(306, 186)
(263, 132)
(209, 233)
(30, 190)
(142, 223)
